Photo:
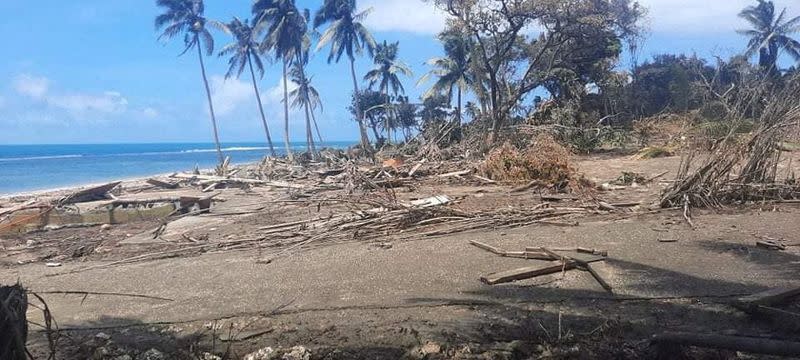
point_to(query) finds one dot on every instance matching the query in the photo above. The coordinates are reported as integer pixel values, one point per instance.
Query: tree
(186, 17)
(286, 35)
(386, 74)
(370, 104)
(305, 97)
(510, 61)
(243, 53)
(770, 35)
(346, 35)
(452, 71)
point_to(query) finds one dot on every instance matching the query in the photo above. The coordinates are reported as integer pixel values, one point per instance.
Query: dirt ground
(401, 295)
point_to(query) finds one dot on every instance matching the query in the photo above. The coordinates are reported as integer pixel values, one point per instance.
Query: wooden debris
(13, 322)
(487, 247)
(431, 201)
(588, 267)
(735, 343)
(456, 173)
(90, 194)
(526, 273)
(770, 245)
(163, 184)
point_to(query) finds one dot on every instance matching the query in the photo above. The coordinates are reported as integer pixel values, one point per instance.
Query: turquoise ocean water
(39, 167)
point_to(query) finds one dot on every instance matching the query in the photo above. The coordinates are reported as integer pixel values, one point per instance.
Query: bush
(714, 111)
(545, 161)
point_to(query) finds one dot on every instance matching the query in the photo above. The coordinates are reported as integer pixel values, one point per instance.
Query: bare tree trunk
(286, 111)
(314, 119)
(458, 109)
(388, 124)
(359, 114)
(310, 135)
(220, 157)
(261, 106)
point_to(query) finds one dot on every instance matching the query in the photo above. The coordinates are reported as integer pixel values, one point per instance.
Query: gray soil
(387, 299)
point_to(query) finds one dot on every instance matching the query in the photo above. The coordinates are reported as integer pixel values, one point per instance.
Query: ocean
(25, 168)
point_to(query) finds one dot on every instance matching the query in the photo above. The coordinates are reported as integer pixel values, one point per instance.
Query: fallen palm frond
(713, 183)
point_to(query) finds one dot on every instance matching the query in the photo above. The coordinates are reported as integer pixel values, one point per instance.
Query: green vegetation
(496, 73)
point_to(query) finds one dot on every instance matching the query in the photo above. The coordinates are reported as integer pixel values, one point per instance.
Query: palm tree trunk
(458, 108)
(310, 135)
(359, 114)
(286, 111)
(388, 124)
(316, 127)
(261, 106)
(220, 157)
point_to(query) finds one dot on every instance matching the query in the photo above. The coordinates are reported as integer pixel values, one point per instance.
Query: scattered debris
(13, 322)
(91, 194)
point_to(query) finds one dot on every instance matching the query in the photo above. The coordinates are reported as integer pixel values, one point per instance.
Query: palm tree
(243, 53)
(305, 96)
(452, 71)
(386, 71)
(770, 34)
(286, 36)
(186, 17)
(346, 35)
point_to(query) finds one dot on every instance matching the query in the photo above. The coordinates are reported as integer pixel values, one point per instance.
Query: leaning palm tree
(453, 71)
(243, 53)
(770, 34)
(346, 35)
(386, 74)
(186, 17)
(305, 97)
(285, 31)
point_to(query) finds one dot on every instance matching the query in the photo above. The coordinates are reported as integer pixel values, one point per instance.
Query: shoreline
(135, 180)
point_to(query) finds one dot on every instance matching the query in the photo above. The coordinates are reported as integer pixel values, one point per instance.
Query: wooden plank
(487, 247)
(91, 194)
(162, 184)
(597, 277)
(526, 273)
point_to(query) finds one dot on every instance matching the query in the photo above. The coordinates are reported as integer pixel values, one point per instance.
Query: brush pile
(743, 169)
(545, 161)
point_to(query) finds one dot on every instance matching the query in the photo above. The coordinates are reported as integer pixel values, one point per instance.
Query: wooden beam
(526, 273)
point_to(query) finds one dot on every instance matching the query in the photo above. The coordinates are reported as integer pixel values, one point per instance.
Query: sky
(93, 71)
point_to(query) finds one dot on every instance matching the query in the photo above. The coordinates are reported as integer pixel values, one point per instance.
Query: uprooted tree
(523, 45)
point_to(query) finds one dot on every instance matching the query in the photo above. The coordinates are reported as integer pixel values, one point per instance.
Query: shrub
(545, 161)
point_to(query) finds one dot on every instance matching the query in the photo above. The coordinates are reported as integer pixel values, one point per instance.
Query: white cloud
(664, 16)
(229, 94)
(150, 113)
(31, 86)
(109, 102)
(413, 16)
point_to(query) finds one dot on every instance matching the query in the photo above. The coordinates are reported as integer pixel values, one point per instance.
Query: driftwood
(735, 343)
(90, 194)
(526, 273)
(163, 184)
(13, 322)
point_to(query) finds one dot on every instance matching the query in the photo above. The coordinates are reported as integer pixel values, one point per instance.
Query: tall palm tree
(186, 17)
(286, 35)
(770, 34)
(305, 97)
(243, 53)
(386, 73)
(346, 35)
(452, 71)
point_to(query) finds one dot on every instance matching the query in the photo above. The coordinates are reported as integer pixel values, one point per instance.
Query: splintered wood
(561, 260)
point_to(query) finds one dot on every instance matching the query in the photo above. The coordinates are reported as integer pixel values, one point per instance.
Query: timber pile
(714, 184)
(13, 322)
(561, 260)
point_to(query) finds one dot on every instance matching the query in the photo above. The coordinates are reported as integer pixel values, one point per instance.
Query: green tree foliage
(346, 35)
(386, 75)
(244, 52)
(770, 34)
(285, 30)
(186, 17)
(453, 71)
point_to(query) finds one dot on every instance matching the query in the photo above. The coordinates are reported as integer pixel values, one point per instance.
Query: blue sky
(92, 71)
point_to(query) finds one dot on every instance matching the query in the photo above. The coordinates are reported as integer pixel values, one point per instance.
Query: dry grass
(545, 160)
